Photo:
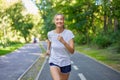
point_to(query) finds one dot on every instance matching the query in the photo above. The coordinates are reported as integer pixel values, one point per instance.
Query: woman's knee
(64, 76)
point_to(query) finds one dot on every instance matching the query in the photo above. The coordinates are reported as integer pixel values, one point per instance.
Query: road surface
(84, 68)
(14, 64)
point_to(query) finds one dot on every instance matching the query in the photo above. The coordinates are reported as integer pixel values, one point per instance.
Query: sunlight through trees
(94, 22)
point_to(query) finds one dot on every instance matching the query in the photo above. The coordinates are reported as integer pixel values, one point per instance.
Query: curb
(28, 69)
(42, 65)
(41, 69)
(99, 62)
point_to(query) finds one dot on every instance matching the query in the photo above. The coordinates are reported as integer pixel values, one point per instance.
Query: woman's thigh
(55, 72)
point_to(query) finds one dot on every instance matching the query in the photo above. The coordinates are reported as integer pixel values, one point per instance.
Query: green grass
(42, 48)
(103, 55)
(9, 49)
(34, 70)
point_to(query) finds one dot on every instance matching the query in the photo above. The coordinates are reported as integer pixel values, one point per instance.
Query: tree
(116, 15)
(90, 20)
(4, 21)
(47, 13)
(20, 23)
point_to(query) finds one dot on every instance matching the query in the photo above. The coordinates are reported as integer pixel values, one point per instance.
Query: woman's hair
(57, 15)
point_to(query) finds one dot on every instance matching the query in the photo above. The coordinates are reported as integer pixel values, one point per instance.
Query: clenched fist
(60, 38)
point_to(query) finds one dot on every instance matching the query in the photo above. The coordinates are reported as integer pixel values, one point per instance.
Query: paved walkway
(14, 64)
(84, 68)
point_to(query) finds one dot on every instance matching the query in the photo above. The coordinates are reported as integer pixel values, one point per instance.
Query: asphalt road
(14, 64)
(84, 68)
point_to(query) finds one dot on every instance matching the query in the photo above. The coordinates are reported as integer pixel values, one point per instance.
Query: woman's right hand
(48, 53)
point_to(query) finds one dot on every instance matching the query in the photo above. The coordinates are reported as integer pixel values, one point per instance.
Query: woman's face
(59, 21)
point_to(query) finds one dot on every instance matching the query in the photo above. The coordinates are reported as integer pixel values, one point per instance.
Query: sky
(30, 6)
(98, 2)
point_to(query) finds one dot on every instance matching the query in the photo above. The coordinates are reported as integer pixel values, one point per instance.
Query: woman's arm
(48, 47)
(70, 46)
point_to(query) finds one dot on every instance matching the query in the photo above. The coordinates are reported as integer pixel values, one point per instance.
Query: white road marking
(72, 62)
(82, 77)
(75, 67)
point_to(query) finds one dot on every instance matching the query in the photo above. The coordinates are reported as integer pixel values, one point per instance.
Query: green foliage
(90, 22)
(20, 23)
(7, 43)
(79, 39)
(115, 38)
(117, 48)
(47, 13)
(110, 39)
(15, 23)
(102, 41)
(116, 8)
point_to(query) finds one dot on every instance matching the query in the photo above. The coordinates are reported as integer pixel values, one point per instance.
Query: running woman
(60, 47)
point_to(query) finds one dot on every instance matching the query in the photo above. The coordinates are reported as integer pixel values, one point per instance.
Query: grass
(6, 50)
(105, 56)
(34, 70)
(32, 73)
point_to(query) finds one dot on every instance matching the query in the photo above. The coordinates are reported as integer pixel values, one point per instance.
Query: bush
(80, 39)
(7, 42)
(117, 44)
(116, 47)
(102, 41)
(115, 36)
(116, 41)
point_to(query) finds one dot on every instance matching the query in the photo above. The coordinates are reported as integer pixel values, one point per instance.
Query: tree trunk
(115, 24)
(25, 39)
(105, 15)
(110, 22)
(105, 22)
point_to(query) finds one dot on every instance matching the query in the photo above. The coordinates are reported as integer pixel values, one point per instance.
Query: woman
(60, 47)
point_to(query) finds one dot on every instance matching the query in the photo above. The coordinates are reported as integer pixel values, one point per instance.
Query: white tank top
(59, 54)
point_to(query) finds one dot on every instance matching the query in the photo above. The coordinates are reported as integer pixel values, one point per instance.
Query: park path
(84, 68)
(14, 64)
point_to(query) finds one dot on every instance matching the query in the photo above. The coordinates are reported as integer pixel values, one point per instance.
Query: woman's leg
(64, 76)
(55, 72)
(65, 72)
